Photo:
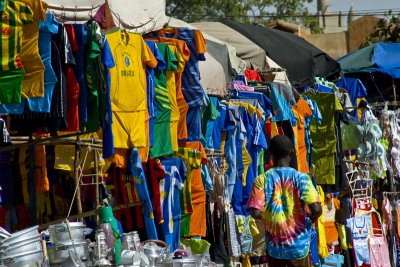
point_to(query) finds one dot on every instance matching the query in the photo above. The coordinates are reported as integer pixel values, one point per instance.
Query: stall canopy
(302, 60)
(379, 57)
(148, 15)
(254, 55)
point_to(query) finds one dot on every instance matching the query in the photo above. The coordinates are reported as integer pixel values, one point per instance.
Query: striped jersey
(15, 15)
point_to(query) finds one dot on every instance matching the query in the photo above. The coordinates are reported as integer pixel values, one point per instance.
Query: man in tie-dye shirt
(287, 202)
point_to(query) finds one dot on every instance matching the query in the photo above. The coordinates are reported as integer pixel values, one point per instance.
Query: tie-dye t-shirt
(282, 194)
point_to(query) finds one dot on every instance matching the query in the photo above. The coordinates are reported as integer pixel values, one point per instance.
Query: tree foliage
(259, 11)
(387, 30)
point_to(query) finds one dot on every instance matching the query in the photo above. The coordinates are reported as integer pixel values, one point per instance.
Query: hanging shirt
(81, 36)
(355, 88)
(172, 89)
(128, 78)
(95, 78)
(162, 143)
(40, 104)
(150, 82)
(11, 68)
(192, 152)
(301, 111)
(108, 139)
(33, 84)
(282, 194)
(361, 226)
(170, 187)
(31, 121)
(73, 88)
(136, 169)
(208, 118)
(324, 137)
(282, 106)
(191, 86)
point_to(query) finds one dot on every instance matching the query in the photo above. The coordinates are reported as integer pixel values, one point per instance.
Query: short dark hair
(281, 146)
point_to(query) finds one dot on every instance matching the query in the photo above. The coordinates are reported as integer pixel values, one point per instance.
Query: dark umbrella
(302, 60)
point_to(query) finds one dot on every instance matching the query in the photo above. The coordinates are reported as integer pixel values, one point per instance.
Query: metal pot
(29, 245)
(27, 259)
(59, 232)
(60, 252)
(155, 250)
(21, 235)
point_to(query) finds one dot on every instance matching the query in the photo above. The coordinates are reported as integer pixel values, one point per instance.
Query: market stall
(120, 148)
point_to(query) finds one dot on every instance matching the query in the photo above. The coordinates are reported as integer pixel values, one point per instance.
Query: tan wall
(334, 44)
(359, 30)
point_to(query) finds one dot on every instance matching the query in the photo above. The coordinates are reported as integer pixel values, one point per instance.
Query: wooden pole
(87, 214)
(96, 167)
(76, 176)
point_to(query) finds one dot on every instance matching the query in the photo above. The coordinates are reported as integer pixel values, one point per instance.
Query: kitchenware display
(131, 241)
(108, 231)
(59, 233)
(59, 253)
(26, 259)
(101, 250)
(31, 244)
(21, 235)
(155, 250)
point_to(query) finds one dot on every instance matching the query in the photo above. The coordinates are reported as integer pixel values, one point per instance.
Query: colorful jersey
(95, 77)
(3, 5)
(163, 144)
(128, 77)
(191, 86)
(282, 194)
(33, 84)
(183, 107)
(12, 20)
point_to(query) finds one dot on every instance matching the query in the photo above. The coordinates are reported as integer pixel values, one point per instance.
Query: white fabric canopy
(237, 63)
(212, 76)
(141, 16)
(254, 55)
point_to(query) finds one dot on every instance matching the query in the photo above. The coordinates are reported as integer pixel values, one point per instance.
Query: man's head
(281, 149)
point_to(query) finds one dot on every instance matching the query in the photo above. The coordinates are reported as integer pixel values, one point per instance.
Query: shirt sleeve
(148, 58)
(200, 43)
(161, 62)
(308, 193)
(257, 194)
(106, 55)
(185, 51)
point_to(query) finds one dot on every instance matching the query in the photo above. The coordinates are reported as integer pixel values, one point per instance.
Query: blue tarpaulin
(379, 57)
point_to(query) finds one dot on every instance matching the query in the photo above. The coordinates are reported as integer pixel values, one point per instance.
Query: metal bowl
(59, 232)
(28, 245)
(60, 252)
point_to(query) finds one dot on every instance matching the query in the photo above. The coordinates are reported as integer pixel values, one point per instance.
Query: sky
(359, 5)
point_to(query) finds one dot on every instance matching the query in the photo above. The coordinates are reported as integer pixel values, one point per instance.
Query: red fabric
(252, 75)
(122, 184)
(280, 130)
(72, 85)
(268, 129)
(154, 173)
(72, 99)
(71, 37)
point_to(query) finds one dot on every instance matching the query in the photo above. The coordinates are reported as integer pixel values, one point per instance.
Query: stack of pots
(22, 248)
(62, 245)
